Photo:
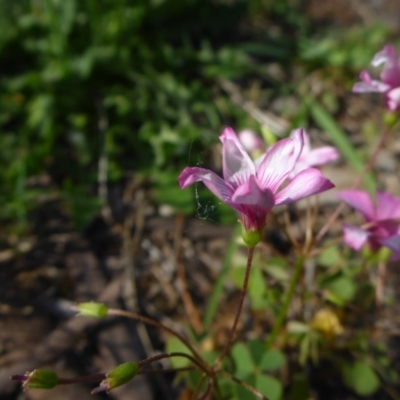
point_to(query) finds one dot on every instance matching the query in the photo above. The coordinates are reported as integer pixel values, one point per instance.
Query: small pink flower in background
(390, 78)
(313, 157)
(253, 188)
(252, 142)
(382, 226)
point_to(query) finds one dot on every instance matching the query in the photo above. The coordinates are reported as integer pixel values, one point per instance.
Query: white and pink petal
(280, 161)
(354, 236)
(308, 182)
(223, 190)
(359, 200)
(237, 165)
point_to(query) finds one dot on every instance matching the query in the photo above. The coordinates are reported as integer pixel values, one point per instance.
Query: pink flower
(253, 188)
(382, 221)
(390, 78)
(313, 157)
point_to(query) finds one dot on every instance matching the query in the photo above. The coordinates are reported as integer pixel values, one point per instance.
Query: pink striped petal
(214, 183)
(308, 182)
(386, 55)
(369, 85)
(387, 206)
(354, 236)
(280, 160)
(237, 164)
(359, 200)
(322, 155)
(393, 98)
(250, 193)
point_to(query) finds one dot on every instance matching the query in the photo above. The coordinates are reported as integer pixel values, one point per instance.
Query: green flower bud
(118, 376)
(91, 309)
(390, 118)
(38, 379)
(251, 237)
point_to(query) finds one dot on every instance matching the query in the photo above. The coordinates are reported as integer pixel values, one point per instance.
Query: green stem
(298, 269)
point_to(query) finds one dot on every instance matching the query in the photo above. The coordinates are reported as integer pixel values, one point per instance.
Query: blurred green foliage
(132, 81)
(135, 83)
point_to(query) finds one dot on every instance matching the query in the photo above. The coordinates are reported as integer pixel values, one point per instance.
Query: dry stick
(355, 185)
(239, 310)
(159, 325)
(190, 309)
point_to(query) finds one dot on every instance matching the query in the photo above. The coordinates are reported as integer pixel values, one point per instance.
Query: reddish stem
(239, 310)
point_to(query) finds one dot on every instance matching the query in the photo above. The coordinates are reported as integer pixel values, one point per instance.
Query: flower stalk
(298, 269)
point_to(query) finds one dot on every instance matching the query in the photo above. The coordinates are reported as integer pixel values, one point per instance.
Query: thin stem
(239, 310)
(355, 185)
(298, 269)
(165, 370)
(198, 386)
(207, 392)
(244, 384)
(162, 356)
(86, 378)
(159, 325)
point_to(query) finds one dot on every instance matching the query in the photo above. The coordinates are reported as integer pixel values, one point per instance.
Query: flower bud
(251, 237)
(118, 376)
(91, 309)
(390, 118)
(38, 379)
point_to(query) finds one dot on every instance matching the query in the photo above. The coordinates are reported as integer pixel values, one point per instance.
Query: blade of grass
(325, 121)
(212, 306)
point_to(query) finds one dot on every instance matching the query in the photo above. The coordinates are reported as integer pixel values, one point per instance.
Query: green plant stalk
(298, 269)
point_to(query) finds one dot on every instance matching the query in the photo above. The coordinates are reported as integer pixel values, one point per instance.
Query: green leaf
(256, 289)
(300, 388)
(175, 345)
(272, 360)
(330, 257)
(257, 348)
(360, 377)
(269, 386)
(278, 271)
(244, 364)
(343, 287)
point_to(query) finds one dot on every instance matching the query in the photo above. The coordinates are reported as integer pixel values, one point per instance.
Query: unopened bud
(91, 309)
(251, 237)
(390, 118)
(38, 379)
(117, 377)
